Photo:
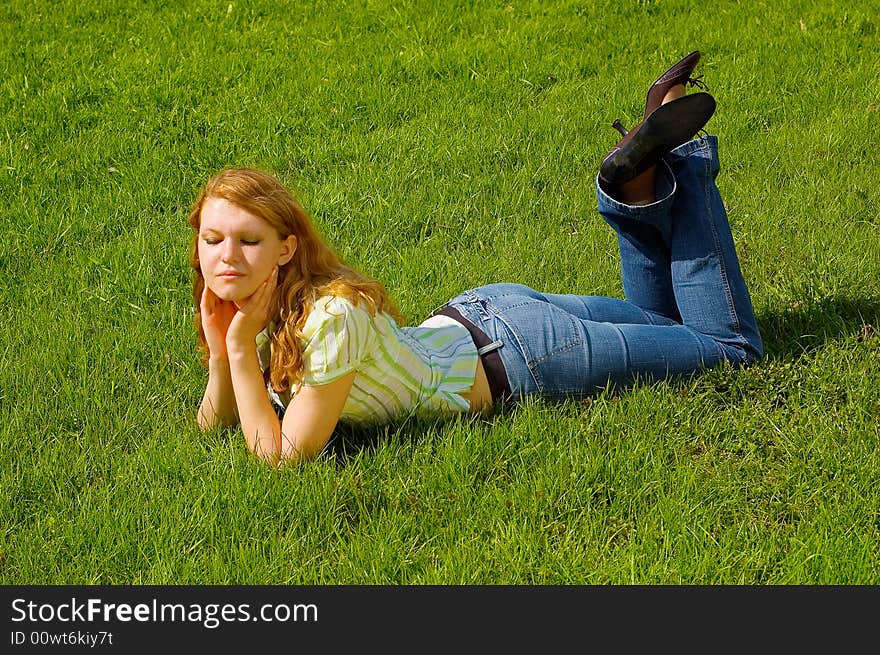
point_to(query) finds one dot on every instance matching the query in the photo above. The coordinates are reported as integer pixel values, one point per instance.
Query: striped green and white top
(400, 370)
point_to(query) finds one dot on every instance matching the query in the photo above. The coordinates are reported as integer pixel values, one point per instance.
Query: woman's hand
(252, 316)
(216, 316)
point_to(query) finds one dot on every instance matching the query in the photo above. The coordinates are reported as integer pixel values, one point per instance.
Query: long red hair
(315, 270)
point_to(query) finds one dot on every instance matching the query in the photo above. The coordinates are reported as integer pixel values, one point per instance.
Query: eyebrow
(244, 233)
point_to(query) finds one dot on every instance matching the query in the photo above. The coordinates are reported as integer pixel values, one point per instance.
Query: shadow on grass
(811, 324)
(350, 440)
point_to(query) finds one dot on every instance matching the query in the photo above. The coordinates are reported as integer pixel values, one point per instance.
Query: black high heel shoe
(665, 128)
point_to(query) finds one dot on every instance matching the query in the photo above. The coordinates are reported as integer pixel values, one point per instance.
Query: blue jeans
(687, 307)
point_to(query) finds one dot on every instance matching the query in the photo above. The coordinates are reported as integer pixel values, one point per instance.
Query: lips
(230, 274)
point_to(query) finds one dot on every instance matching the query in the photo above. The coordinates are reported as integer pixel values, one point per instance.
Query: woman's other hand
(252, 316)
(216, 316)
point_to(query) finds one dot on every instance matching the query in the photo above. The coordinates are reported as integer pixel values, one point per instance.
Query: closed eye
(244, 242)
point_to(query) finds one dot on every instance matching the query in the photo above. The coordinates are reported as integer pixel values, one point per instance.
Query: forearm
(218, 404)
(259, 423)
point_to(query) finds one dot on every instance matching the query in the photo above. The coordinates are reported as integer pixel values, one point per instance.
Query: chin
(230, 297)
(228, 292)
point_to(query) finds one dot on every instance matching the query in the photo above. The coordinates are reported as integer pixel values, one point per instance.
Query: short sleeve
(337, 338)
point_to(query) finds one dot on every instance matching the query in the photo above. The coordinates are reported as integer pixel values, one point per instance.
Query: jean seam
(480, 308)
(626, 353)
(504, 295)
(568, 346)
(725, 280)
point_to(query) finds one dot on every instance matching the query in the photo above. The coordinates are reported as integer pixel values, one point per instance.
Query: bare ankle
(639, 190)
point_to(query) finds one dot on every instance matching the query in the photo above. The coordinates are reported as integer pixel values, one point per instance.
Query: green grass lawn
(438, 146)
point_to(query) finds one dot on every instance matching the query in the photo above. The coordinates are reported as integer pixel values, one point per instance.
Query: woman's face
(237, 250)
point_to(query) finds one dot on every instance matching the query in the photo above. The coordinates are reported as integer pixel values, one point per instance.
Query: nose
(230, 251)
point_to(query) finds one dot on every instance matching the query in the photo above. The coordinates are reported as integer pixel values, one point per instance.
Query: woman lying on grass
(278, 311)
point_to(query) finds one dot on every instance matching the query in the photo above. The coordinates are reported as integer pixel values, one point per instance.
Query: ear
(287, 250)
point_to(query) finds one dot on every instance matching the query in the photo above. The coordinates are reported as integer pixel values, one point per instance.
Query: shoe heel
(617, 125)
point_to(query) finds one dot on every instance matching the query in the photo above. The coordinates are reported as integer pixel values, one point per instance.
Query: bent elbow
(296, 451)
(206, 424)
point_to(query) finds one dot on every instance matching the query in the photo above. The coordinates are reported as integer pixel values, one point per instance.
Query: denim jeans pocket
(545, 334)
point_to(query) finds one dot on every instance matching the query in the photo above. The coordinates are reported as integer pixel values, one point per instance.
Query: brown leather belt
(492, 364)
